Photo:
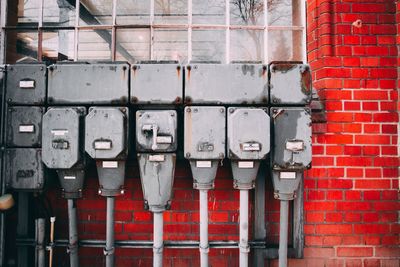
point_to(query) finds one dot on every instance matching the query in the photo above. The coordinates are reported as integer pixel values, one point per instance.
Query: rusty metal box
(79, 83)
(290, 84)
(24, 126)
(156, 84)
(226, 83)
(292, 138)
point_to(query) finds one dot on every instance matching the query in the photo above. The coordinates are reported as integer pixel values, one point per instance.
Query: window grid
(189, 26)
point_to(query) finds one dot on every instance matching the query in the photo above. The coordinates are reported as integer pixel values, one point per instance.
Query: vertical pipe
(52, 221)
(283, 233)
(158, 244)
(39, 235)
(22, 227)
(109, 250)
(204, 248)
(244, 228)
(73, 234)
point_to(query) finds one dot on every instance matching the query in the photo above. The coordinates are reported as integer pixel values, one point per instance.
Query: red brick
(315, 217)
(335, 183)
(352, 217)
(334, 195)
(371, 228)
(386, 161)
(386, 206)
(371, 150)
(354, 206)
(387, 252)
(353, 161)
(372, 184)
(334, 217)
(339, 229)
(334, 150)
(352, 195)
(370, 217)
(370, 95)
(352, 150)
(390, 195)
(354, 172)
(319, 252)
(372, 8)
(372, 139)
(353, 263)
(354, 251)
(371, 128)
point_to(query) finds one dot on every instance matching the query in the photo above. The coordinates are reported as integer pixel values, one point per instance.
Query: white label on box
(164, 140)
(27, 84)
(203, 164)
(287, 175)
(59, 132)
(110, 164)
(26, 128)
(246, 164)
(295, 145)
(102, 145)
(69, 177)
(157, 158)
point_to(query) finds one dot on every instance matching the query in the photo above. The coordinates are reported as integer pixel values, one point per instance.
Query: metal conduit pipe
(204, 246)
(40, 227)
(158, 244)
(109, 249)
(283, 233)
(73, 234)
(244, 248)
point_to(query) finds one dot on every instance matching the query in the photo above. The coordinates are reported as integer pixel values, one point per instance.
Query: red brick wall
(351, 193)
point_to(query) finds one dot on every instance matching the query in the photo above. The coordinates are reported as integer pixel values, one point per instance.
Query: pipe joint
(244, 248)
(204, 249)
(72, 248)
(108, 252)
(158, 250)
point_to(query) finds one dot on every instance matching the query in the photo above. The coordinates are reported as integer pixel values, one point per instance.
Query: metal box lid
(290, 84)
(99, 83)
(292, 138)
(248, 133)
(156, 84)
(226, 83)
(24, 126)
(24, 169)
(106, 131)
(204, 139)
(26, 84)
(156, 130)
(61, 137)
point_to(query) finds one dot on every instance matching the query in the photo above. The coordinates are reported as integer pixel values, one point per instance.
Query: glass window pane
(284, 12)
(133, 12)
(170, 11)
(170, 44)
(94, 45)
(58, 13)
(21, 46)
(95, 12)
(285, 45)
(133, 45)
(247, 12)
(22, 11)
(247, 45)
(208, 12)
(208, 45)
(58, 45)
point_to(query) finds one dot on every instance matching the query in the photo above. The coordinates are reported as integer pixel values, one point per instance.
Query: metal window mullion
(151, 29)
(227, 31)
(113, 31)
(190, 21)
(3, 21)
(266, 39)
(76, 33)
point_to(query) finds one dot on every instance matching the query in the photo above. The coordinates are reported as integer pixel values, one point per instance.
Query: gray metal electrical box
(61, 137)
(204, 132)
(292, 138)
(228, 84)
(24, 169)
(156, 84)
(24, 126)
(106, 132)
(290, 84)
(248, 133)
(26, 84)
(156, 130)
(79, 83)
